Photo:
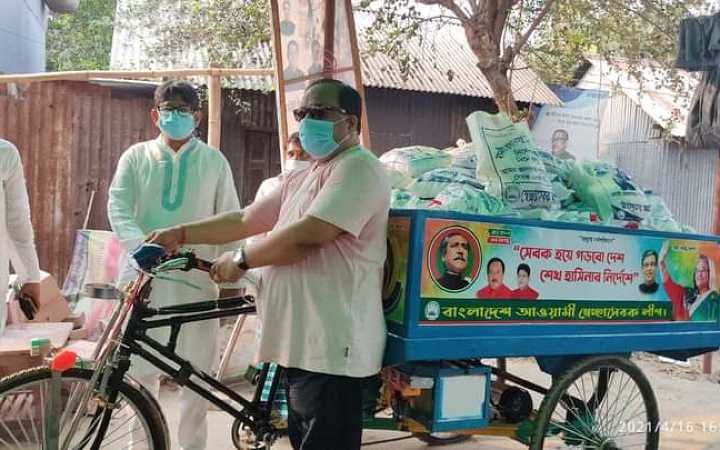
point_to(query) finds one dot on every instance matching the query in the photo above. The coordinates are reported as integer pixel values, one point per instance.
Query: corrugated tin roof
(447, 65)
(647, 85)
(444, 54)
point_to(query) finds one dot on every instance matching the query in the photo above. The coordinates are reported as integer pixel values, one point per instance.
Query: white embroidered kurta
(154, 188)
(17, 242)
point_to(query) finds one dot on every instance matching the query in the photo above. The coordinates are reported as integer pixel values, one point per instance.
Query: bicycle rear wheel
(135, 422)
(599, 403)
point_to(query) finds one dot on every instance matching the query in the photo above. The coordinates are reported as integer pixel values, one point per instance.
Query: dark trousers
(324, 411)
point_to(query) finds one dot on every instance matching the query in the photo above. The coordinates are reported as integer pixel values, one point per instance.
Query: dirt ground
(686, 398)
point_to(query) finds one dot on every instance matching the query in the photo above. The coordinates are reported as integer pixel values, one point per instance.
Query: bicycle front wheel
(134, 422)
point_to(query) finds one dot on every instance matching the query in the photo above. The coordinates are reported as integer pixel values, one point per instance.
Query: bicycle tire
(144, 403)
(582, 367)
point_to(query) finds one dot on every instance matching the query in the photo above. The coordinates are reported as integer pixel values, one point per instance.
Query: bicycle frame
(121, 345)
(135, 335)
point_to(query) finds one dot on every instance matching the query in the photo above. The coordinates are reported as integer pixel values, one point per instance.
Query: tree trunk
(486, 47)
(500, 85)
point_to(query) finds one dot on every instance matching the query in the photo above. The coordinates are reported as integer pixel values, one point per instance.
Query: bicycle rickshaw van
(461, 287)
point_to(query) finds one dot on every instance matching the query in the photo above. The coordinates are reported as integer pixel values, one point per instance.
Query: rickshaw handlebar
(201, 264)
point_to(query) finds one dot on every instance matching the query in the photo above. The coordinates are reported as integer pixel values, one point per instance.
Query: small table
(15, 344)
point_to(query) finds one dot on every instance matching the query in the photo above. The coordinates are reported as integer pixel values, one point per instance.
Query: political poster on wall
(571, 131)
(312, 39)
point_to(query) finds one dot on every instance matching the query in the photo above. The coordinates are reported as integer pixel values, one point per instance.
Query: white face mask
(296, 164)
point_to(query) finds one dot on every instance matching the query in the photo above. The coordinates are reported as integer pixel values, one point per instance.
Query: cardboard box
(51, 305)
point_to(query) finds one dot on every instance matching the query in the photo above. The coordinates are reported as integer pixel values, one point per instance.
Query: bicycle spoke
(612, 390)
(107, 435)
(4, 443)
(32, 417)
(10, 434)
(126, 422)
(129, 433)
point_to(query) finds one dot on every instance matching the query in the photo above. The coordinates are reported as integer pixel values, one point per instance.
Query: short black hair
(560, 130)
(492, 260)
(524, 267)
(294, 139)
(177, 88)
(647, 253)
(348, 98)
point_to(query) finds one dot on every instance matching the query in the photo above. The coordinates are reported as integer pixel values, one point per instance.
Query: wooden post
(707, 357)
(365, 136)
(279, 79)
(329, 34)
(214, 110)
(89, 75)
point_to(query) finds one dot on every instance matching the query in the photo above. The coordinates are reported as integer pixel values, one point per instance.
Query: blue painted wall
(23, 24)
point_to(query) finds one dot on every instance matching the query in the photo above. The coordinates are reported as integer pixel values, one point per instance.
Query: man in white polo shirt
(322, 315)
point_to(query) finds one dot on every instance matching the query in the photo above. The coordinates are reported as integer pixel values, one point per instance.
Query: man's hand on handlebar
(170, 238)
(224, 269)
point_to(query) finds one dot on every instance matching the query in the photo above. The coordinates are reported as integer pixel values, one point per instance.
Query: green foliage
(82, 40)
(635, 31)
(225, 29)
(640, 33)
(229, 30)
(393, 25)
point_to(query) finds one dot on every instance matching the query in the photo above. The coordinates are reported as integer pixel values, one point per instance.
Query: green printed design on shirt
(168, 203)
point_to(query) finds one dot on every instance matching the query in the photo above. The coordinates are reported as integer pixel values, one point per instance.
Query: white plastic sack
(465, 198)
(431, 183)
(508, 163)
(399, 180)
(403, 199)
(400, 198)
(630, 205)
(556, 168)
(463, 157)
(604, 188)
(414, 161)
(659, 218)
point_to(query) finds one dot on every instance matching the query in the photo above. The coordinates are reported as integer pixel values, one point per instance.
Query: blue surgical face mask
(176, 125)
(317, 137)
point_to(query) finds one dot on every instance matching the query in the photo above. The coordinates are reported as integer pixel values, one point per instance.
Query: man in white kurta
(161, 183)
(16, 234)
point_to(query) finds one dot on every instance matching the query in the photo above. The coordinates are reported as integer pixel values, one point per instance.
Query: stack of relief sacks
(502, 173)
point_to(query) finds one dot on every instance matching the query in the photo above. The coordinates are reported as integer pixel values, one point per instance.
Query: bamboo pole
(87, 75)
(355, 49)
(279, 80)
(214, 111)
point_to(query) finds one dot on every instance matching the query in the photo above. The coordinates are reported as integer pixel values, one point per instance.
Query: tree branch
(533, 26)
(450, 5)
(439, 18)
(645, 18)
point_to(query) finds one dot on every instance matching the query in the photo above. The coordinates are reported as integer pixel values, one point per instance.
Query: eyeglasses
(316, 112)
(178, 108)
